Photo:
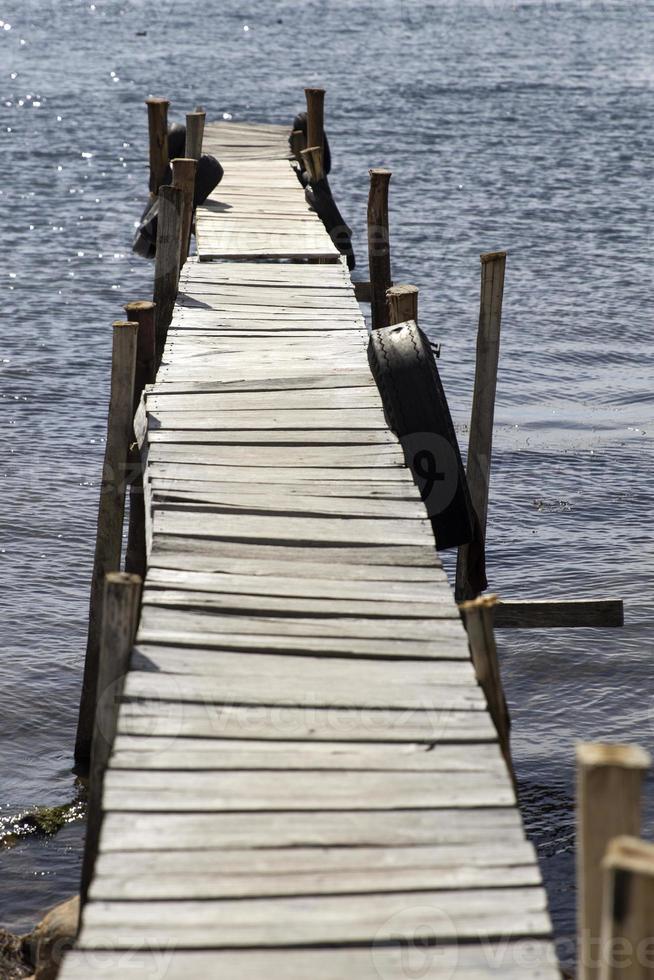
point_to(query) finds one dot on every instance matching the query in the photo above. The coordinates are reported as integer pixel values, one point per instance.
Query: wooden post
(167, 261)
(120, 612)
(609, 783)
(297, 143)
(158, 133)
(184, 171)
(194, 133)
(143, 313)
(478, 619)
(312, 158)
(480, 442)
(379, 252)
(315, 118)
(108, 543)
(402, 304)
(627, 938)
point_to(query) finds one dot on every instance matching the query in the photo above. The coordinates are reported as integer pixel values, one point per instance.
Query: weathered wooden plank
(142, 832)
(263, 401)
(290, 585)
(313, 380)
(390, 637)
(131, 752)
(178, 720)
(557, 613)
(272, 437)
(510, 959)
(280, 418)
(291, 605)
(304, 529)
(463, 914)
(213, 687)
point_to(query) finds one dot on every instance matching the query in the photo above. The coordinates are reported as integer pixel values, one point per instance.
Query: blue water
(517, 125)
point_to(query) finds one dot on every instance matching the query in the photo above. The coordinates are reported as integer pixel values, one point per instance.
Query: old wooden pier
(305, 780)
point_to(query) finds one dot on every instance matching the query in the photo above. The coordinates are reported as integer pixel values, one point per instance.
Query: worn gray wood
(510, 959)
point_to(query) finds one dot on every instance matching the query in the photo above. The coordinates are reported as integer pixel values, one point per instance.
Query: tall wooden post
(194, 133)
(158, 133)
(184, 171)
(167, 261)
(379, 251)
(316, 118)
(627, 939)
(609, 784)
(120, 613)
(478, 619)
(108, 542)
(143, 313)
(480, 441)
(402, 302)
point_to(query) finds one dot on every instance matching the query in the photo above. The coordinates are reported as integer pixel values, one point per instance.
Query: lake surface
(517, 125)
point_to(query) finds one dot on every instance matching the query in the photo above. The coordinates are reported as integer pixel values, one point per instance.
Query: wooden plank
(272, 437)
(137, 831)
(178, 720)
(280, 418)
(464, 914)
(521, 959)
(147, 753)
(416, 683)
(242, 603)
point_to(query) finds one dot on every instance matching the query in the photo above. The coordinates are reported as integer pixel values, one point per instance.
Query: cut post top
(612, 754)
(481, 602)
(153, 101)
(138, 306)
(380, 174)
(491, 256)
(122, 578)
(119, 324)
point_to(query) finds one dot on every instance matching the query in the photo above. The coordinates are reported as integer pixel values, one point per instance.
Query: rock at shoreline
(53, 936)
(13, 965)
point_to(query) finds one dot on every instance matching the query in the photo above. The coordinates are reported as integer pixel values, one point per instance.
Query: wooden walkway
(306, 784)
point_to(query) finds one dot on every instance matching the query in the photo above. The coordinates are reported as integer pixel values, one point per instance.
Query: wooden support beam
(158, 137)
(120, 612)
(167, 261)
(379, 252)
(609, 786)
(111, 509)
(480, 442)
(297, 143)
(477, 615)
(312, 158)
(194, 134)
(184, 171)
(316, 118)
(142, 313)
(556, 613)
(627, 938)
(402, 304)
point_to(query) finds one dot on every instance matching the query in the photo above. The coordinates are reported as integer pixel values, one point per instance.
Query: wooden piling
(609, 784)
(194, 133)
(477, 616)
(379, 253)
(184, 170)
(120, 613)
(480, 441)
(143, 313)
(158, 134)
(312, 159)
(108, 543)
(402, 302)
(167, 261)
(627, 940)
(316, 118)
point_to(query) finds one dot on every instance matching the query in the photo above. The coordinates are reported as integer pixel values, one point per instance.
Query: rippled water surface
(517, 125)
